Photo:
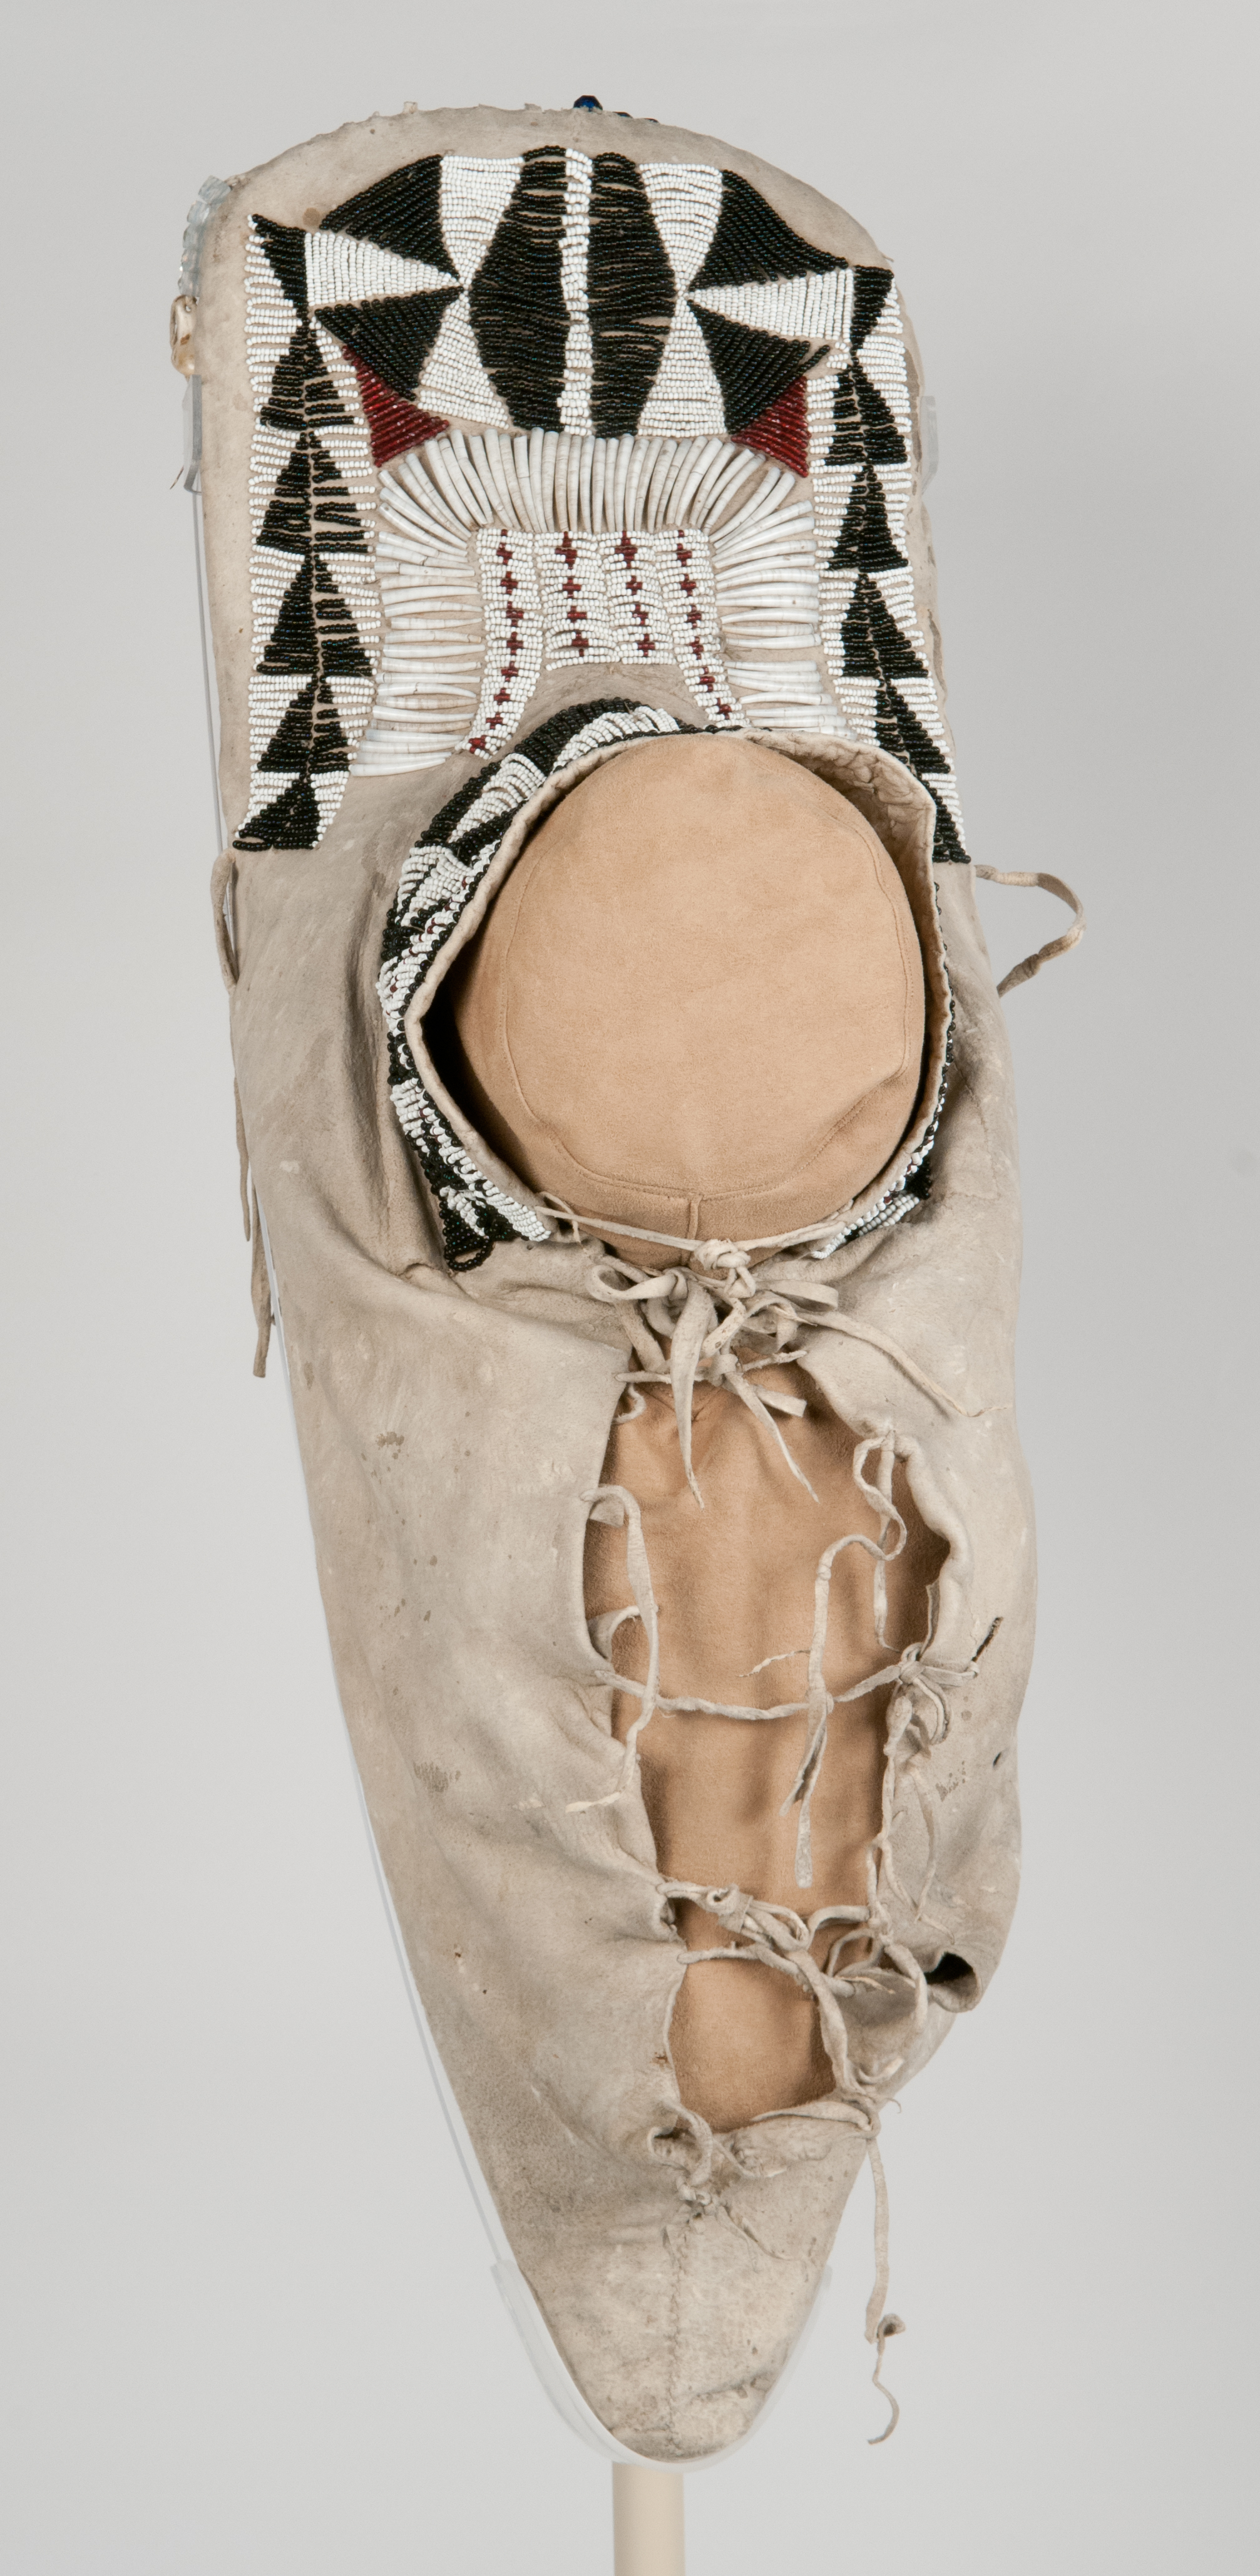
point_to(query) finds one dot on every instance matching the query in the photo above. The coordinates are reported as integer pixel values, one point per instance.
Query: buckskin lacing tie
(881, 2323)
(916, 1709)
(775, 1937)
(917, 1714)
(1030, 966)
(703, 1306)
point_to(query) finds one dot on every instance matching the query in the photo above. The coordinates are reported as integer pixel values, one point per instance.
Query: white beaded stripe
(796, 308)
(342, 440)
(857, 699)
(454, 379)
(685, 392)
(343, 270)
(474, 199)
(686, 200)
(579, 368)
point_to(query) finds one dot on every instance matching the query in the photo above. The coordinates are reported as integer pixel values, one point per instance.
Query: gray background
(247, 2315)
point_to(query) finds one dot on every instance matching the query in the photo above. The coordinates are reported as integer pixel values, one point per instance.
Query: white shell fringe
(692, 552)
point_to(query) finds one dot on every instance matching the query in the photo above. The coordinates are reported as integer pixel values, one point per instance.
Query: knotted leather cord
(820, 1701)
(879, 2324)
(702, 1307)
(712, 1300)
(917, 1717)
(777, 1938)
(1030, 966)
(774, 1935)
(916, 1685)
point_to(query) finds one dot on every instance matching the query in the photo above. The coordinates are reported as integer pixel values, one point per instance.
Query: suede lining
(697, 1002)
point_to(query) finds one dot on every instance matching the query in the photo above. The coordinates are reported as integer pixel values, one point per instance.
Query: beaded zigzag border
(316, 608)
(440, 875)
(861, 451)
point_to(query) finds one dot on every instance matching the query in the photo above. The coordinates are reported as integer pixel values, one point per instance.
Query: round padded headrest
(697, 1002)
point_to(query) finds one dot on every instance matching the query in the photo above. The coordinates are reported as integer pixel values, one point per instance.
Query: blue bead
(592, 103)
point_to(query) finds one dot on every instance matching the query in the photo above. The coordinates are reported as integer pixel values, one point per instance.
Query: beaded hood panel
(513, 414)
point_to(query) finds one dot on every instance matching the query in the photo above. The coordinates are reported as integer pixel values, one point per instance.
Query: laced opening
(862, 1962)
(917, 1714)
(683, 1325)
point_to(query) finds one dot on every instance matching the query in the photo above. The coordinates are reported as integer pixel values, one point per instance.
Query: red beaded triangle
(781, 430)
(393, 424)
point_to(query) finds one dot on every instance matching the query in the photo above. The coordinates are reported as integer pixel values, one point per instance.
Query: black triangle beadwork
(311, 516)
(402, 213)
(630, 295)
(874, 647)
(520, 324)
(751, 244)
